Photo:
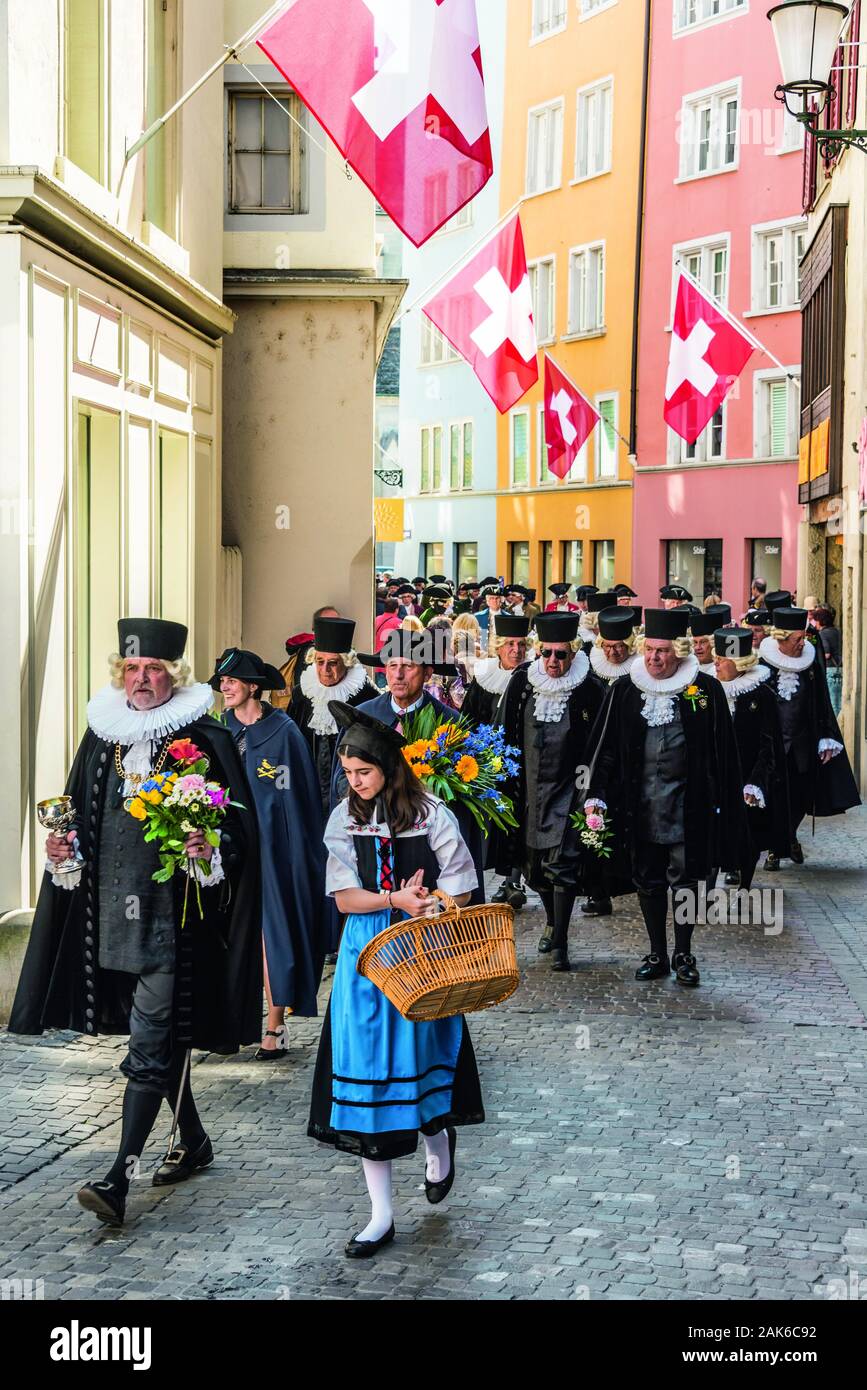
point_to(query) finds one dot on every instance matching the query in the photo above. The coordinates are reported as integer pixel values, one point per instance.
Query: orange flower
(183, 750)
(422, 769)
(692, 690)
(137, 808)
(467, 768)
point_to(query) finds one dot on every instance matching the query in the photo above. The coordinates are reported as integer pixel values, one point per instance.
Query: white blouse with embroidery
(457, 871)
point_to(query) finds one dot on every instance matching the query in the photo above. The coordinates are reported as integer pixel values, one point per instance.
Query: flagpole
(735, 323)
(586, 399)
(231, 51)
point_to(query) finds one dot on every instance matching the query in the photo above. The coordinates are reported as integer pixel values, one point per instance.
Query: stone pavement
(641, 1141)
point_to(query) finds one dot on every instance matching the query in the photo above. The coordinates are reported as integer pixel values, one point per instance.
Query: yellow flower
(496, 764)
(137, 808)
(467, 768)
(692, 690)
(422, 769)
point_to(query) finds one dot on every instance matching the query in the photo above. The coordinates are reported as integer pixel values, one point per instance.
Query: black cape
(714, 811)
(289, 814)
(763, 763)
(830, 788)
(218, 972)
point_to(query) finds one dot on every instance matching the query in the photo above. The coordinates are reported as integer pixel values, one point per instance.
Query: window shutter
(437, 457)
(468, 455)
(778, 405)
(425, 461)
(519, 450)
(455, 457)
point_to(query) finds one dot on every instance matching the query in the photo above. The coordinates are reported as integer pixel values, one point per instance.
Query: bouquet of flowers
(460, 763)
(173, 805)
(593, 833)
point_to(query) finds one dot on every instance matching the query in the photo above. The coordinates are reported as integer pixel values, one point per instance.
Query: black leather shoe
(560, 959)
(363, 1249)
(653, 968)
(597, 907)
(437, 1191)
(732, 880)
(771, 864)
(685, 969)
(276, 1053)
(516, 898)
(545, 940)
(105, 1200)
(502, 893)
(181, 1163)
(796, 854)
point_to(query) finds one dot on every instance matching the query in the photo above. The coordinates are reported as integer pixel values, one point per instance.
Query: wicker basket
(458, 963)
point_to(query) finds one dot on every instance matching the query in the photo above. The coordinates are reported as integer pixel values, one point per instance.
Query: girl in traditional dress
(380, 1079)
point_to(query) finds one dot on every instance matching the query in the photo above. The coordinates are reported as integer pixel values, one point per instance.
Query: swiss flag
(400, 90)
(569, 419)
(486, 312)
(708, 353)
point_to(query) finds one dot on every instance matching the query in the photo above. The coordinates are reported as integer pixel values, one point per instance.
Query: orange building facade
(573, 155)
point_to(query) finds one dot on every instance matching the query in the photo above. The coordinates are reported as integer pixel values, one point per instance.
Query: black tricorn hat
(510, 625)
(792, 619)
(438, 591)
(780, 598)
(624, 591)
(242, 665)
(153, 637)
(733, 641)
(333, 634)
(438, 579)
(583, 592)
(718, 615)
(529, 594)
(757, 617)
(557, 627)
(675, 591)
(420, 579)
(616, 624)
(596, 602)
(664, 624)
(559, 589)
(367, 734)
(515, 589)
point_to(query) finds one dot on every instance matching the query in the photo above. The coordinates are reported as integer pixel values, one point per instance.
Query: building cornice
(32, 201)
(320, 284)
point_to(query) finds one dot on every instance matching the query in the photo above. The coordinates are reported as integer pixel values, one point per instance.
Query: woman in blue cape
(288, 808)
(381, 1079)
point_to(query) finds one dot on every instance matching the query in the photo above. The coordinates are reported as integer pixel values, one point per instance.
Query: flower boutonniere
(696, 697)
(585, 715)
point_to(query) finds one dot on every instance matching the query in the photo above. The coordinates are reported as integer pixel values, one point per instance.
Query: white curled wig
(682, 646)
(630, 642)
(348, 658)
(180, 671)
(745, 663)
(537, 643)
(781, 633)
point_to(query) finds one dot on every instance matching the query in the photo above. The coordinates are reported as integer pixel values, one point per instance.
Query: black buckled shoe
(597, 907)
(502, 892)
(653, 967)
(182, 1163)
(516, 898)
(545, 940)
(560, 959)
(105, 1200)
(276, 1053)
(772, 863)
(796, 854)
(685, 969)
(438, 1191)
(357, 1249)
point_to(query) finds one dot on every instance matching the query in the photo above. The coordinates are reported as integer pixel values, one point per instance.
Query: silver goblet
(57, 814)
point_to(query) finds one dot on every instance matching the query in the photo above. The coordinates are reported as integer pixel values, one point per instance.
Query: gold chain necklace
(136, 778)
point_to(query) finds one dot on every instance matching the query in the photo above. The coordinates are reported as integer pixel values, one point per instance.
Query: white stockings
(378, 1179)
(436, 1147)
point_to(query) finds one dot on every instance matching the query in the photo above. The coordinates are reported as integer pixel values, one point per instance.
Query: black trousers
(800, 796)
(148, 1061)
(655, 869)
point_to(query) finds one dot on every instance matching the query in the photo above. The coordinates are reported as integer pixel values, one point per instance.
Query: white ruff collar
(322, 721)
(551, 693)
(741, 685)
(770, 652)
(491, 676)
(112, 720)
(708, 668)
(657, 696)
(606, 669)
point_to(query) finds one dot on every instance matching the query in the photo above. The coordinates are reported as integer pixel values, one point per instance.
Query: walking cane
(184, 1073)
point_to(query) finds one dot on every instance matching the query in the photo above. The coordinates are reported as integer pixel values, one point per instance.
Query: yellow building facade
(572, 156)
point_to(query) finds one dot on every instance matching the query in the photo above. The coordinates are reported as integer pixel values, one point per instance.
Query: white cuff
(588, 805)
(830, 745)
(757, 792)
(215, 863)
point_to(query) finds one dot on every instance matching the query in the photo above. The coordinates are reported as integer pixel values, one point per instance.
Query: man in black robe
(332, 672)
(107, 952)
(819, 773)
(548, 712)
(666, 778)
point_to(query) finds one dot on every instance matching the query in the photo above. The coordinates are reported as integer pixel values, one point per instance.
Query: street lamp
(807, 33)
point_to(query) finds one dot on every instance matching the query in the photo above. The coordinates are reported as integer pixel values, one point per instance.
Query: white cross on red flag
(399, 88)
(569, 419)
(708, 353)
(486, 312)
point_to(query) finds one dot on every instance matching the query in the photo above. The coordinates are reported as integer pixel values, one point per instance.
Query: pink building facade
(723, 199)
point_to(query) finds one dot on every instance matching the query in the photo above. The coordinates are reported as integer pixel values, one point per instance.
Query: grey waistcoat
(663, 782)
(136, 915)
(550, 778)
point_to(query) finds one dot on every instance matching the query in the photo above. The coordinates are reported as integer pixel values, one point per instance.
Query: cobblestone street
(642, 1140)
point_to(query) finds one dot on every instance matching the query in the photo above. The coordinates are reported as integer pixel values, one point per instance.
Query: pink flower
(594, 821)
(216, 795)
(192, 782)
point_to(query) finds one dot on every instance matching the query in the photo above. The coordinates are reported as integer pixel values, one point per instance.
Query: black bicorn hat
(438, 579)
(665, 624)
(718, 615)
(151, 637)
(757, 617)
(596, 602)
(438, 591)
(792, 619)
(616, 623)
(242, 665)
(624, 591)
(510, 625)
(559, 590)
(780, 598)
(529, 594)
(333, 634)
(733, 641)
(367, 734)
(557, 627)
(675, 591)
(583, 592)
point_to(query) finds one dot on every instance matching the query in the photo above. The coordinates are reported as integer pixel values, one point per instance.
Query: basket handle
(448, 902)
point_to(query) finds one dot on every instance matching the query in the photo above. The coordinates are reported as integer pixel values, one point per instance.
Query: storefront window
(433, 558)
(468, 561)
(767, 563)
(547, 566)
(573, 562)
(520, 562)
(697, 565)
(603, 564)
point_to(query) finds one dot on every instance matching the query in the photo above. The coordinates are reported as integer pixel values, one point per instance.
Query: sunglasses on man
(546, 652)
